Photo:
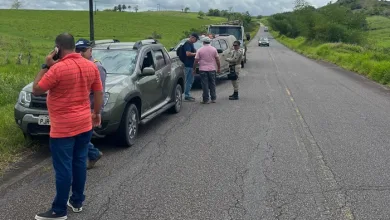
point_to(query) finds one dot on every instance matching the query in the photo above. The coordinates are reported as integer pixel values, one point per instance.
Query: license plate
(43, 120)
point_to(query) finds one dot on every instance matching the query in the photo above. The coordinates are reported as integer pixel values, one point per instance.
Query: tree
(16, 5)
(119, 7)
(115, 8)
(186, 9)
(201, 14)
(301, 4)
(124, 7)
(129, 7)
(136, 8)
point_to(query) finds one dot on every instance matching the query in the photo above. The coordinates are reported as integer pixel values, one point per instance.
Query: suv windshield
(197, 45)
(116, 61)
(235, 31)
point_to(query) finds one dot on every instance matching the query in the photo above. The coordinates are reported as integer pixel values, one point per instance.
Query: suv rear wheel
(129, 126)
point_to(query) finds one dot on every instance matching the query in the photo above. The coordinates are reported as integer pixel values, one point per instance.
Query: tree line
(123, 7)
(331, 23)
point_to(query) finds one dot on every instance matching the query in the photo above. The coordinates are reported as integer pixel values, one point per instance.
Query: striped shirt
(70, 82)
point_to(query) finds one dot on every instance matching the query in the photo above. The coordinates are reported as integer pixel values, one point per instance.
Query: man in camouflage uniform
(84, 47)
(235, 59)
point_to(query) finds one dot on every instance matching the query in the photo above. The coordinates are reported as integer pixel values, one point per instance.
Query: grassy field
(29, 31)
(371, 59)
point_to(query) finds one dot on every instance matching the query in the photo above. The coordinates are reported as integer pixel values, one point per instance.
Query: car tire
(30, 140)
(129, 126)
(178, 96)
(242, 64)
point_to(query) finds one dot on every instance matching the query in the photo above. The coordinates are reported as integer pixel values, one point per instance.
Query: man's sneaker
(91, 163)
(75, 208)
(50, 215)
(213, 101)
(190, 99)
(205, 102)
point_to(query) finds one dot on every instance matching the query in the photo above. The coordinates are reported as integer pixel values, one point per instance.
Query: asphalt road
(306, 140)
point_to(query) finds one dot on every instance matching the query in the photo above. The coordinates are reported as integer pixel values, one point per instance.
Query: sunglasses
(236, 45)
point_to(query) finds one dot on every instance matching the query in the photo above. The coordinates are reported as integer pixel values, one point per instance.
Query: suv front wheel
(129, 126)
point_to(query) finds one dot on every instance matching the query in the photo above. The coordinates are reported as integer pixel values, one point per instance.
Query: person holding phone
(69, 79)
(84, 47)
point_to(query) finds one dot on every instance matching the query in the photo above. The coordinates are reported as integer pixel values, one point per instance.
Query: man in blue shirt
(84, 47)
(190, 53)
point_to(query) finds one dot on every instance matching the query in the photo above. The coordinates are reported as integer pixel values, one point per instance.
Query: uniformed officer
(84, 47)
(235, 57)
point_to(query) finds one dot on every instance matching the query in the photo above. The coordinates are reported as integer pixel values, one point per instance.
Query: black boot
(234, 97)
(230, 96)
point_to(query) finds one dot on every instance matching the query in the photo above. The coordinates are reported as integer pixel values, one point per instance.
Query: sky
(255, 7)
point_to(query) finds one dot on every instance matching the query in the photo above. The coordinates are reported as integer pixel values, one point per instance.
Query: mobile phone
(57, 55)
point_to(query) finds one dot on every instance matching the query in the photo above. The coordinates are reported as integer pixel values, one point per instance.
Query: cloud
(255, 7)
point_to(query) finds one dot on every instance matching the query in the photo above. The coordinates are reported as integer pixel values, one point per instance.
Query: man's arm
(97, 88)
(45, 80)
(217, 61)
(37, 90)
(188, 50)
(196, 61)
(236, 56)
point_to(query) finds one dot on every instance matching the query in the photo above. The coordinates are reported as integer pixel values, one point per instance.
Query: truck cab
(235, 28)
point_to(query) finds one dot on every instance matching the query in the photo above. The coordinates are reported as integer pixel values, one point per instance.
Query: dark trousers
(208, 85)
(70, 165)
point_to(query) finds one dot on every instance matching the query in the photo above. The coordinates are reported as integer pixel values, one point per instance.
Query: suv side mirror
(171, 49)
(148, 71)
(220, 50)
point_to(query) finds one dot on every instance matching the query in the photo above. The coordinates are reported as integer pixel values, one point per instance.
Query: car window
(216, 44)
(148, 61)
(224, 45)
(197, 44)
(117, 61)
(160, 60)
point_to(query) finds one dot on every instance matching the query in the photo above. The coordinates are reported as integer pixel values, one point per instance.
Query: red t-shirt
(70, 82)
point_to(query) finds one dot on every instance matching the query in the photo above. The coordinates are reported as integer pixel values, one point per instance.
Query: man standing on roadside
(69, 80)
(207, 56)
(235, 61)
(84, 47)
(190, 52)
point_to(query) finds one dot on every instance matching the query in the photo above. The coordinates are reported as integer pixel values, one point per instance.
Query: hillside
(33, 32)
(370, 7)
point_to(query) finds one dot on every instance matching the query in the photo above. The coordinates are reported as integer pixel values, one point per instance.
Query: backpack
(181, 53)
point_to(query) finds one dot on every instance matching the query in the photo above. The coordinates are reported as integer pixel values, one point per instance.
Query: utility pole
(95, 7)
(158, 7)
(91, 26)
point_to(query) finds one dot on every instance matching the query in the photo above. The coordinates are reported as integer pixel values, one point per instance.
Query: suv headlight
(106, 96)
(24, 98)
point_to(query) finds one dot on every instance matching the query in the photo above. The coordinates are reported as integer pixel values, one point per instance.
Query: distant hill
(370, 7)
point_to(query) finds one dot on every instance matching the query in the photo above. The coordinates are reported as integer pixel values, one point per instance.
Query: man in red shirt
(69, 81)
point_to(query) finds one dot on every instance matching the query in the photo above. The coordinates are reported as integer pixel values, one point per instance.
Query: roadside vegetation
(26, 36)
(349, 38)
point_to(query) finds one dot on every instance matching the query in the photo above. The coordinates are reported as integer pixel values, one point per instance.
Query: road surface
(306, 140)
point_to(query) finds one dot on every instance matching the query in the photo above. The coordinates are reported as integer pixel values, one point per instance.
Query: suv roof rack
(141, 43)
(105, 41)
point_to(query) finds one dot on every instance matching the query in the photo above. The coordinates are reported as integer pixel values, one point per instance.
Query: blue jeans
(70, 163)
(189, 81)
(93, 152)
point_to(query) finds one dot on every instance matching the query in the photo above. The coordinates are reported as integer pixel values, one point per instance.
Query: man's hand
(194, 72)
(49, 59)
(96, 119)
(219, 70)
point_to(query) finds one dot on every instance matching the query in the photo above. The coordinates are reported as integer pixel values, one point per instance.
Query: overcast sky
(255, 7)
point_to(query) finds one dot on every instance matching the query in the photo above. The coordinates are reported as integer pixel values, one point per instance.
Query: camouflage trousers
(235, 82)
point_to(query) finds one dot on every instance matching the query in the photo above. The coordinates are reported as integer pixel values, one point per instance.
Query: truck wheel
(178, 99)
(242, 64)
(129, 127)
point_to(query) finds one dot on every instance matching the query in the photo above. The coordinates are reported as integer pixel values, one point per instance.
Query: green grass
(22, 31)
(371, 60)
